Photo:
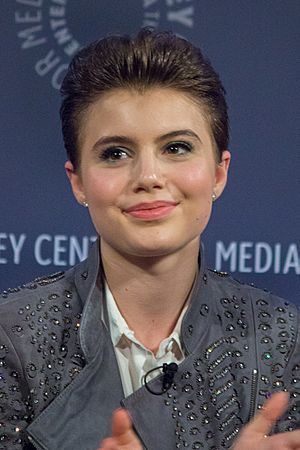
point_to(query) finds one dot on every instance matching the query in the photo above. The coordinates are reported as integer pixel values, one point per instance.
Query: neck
(151, 292)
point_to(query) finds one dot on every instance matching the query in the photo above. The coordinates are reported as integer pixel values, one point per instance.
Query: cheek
(196, 181)
(104, 187)
(197, 185)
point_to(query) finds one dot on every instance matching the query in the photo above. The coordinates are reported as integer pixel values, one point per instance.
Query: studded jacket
(59, 379)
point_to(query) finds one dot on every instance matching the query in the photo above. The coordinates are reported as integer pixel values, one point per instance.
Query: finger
(272, 410)
(108, 444)
(121, 423)
(289, 440)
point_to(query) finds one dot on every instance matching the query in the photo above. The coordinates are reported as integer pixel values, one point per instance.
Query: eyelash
(110, 153)
(188, 147)
(107, 154)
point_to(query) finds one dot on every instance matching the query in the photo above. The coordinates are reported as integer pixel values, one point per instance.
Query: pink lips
(152, 210)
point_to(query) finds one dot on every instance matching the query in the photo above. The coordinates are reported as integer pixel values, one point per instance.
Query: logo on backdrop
(63, 251)
(52, 31)
(257, 257)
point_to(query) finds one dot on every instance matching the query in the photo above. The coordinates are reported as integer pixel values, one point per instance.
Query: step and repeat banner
(254, 45)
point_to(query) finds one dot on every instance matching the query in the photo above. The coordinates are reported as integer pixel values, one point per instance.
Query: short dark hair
(151, 59)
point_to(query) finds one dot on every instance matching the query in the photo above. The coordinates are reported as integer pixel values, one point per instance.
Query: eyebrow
(172, 134)
(106, 140)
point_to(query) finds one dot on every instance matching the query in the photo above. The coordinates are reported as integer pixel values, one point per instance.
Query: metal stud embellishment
(276, 330)
(211, 405)
(50, 329)
(209, 398)
(39, 281)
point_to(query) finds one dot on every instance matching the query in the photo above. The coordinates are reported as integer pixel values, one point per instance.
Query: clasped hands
(253, 436)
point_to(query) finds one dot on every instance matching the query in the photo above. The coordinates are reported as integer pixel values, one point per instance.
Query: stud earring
(85, 204)
(214, 197)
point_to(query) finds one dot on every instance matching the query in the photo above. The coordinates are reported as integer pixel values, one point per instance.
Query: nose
(147, 173)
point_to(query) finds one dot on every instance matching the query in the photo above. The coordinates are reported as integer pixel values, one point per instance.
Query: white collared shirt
(134, 359)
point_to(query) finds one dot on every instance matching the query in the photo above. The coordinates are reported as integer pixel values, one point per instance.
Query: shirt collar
(119, 327)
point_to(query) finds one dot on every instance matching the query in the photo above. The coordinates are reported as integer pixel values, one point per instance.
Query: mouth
(151, 210)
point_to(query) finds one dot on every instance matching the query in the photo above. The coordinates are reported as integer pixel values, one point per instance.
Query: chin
(148, 247)
(153, 252)
(158, 248)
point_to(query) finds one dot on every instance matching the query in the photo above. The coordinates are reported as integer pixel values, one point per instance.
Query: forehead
(153, 111)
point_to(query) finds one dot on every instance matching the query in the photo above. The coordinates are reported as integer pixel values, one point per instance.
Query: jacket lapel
(79, 418)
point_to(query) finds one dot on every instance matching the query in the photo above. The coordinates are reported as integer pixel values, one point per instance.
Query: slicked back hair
(150, 59)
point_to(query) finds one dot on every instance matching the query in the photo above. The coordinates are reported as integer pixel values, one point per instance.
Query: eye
(179, 148)
(114, 154)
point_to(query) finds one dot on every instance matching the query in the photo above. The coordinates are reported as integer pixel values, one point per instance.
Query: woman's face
(148, 171)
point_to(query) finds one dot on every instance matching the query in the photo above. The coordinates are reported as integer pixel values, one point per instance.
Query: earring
(85, 204)
(214, 197)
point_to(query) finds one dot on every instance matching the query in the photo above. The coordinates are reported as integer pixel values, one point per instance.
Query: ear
(76, 183)
(221, 173)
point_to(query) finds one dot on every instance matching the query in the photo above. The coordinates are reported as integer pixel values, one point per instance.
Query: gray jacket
(59, 379)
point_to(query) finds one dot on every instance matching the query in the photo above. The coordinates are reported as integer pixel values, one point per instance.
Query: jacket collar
(197, 316)
(89, 277)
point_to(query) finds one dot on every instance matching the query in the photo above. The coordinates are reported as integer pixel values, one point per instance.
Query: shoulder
(47, 293)
(259, 298)
(273, 320)
(79, 278)
(265, 312)
(40, 318)
(36, 287)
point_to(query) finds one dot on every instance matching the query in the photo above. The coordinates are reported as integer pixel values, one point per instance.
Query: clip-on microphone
(169, 371)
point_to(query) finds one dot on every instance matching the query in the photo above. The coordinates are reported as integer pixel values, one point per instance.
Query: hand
(255, 434)
(123, 437)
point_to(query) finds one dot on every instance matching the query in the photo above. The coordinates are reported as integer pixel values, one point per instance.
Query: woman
(190, 354)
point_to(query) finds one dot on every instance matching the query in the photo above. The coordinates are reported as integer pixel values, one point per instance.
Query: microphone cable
(169, 371)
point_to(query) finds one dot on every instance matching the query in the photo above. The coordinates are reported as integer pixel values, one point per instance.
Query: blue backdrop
(254, 231)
